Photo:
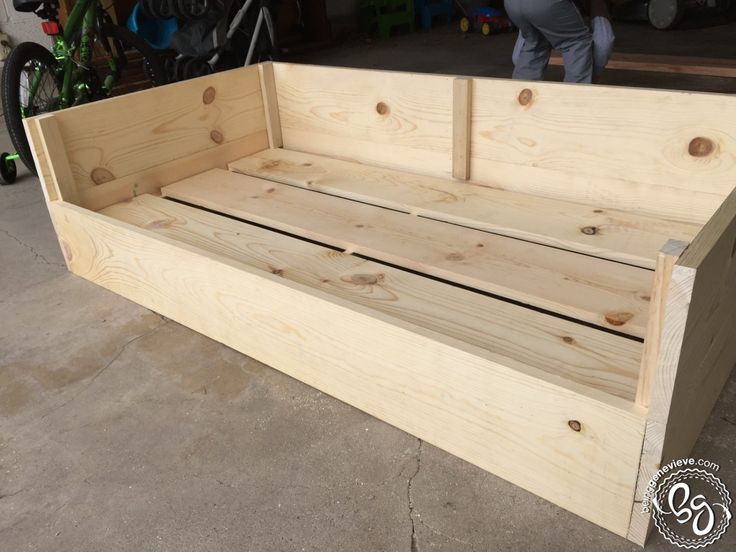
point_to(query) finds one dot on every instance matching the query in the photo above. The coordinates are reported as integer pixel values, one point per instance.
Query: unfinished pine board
(151, 179)
(58, 169)
(399, 120)
(131, 133)
(609, 234)
(666, 260)
(608, 294)
(697, 350)
(581, 354)
(682, 65)
(462, 98)
(709, 348)
(661, 153)
(270, 104)
(49, 187)
(444, 391)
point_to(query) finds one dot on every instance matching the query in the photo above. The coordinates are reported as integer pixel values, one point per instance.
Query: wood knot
(701, 147)
(276, 271)
(364, 279)
(569, 340)
(268, 165)
(589, 230)
(598, 211)
(618, 318)
(575, 425)
(159, 223)
(100, 175)
(454, 257)
(382, 108)
(208, 96)
(525, 96)
(216, 136)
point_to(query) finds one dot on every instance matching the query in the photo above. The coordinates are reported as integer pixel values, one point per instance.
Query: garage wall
(20, 26)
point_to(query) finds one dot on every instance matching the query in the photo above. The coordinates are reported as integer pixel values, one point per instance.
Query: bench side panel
(450, 394)
(697, 351)
(112, 150)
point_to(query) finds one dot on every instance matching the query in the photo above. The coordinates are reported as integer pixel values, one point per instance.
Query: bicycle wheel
(126, 62)
(29, 87)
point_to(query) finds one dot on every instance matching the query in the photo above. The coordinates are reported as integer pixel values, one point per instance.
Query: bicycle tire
(153, 66)
(21, 55)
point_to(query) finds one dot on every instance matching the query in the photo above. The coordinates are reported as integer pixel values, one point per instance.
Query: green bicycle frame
(74, 89)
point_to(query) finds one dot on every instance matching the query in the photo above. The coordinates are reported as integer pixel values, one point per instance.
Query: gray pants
(547, 24)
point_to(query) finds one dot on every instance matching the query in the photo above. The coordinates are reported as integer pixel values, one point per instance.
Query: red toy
(489, 20)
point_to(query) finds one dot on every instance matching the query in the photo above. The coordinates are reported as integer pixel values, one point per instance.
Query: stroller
(216, 34)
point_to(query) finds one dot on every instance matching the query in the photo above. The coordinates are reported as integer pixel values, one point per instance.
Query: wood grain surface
(601, 292)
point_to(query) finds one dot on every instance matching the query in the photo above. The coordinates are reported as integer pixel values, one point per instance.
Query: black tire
(665, 14)
(10, 88)
(8, 170)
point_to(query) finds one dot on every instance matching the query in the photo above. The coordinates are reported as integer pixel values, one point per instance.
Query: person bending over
(559, 24)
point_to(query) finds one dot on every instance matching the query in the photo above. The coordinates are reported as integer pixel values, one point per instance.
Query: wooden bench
(533, 283)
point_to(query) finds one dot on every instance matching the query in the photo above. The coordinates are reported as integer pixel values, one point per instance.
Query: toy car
(488, 20)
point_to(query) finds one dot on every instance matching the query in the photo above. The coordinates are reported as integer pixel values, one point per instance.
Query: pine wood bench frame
(516, 384)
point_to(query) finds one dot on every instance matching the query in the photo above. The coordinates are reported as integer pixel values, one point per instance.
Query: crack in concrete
(106, 366)
(410, 499)
(446, 536)
(36, 254)
(8, 495)
(415, 517)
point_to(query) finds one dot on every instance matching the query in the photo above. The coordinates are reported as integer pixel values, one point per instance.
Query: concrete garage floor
(121, 430)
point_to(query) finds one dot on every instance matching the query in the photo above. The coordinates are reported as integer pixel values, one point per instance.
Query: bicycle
(92, 59)
(249, 37)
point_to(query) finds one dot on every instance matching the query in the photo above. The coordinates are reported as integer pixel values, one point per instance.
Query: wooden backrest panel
(665, 153)
(397, 120)
(117, 138)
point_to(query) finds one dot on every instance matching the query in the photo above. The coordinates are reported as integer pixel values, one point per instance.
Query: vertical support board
(666, 260)
(58, 170)
(679, 294)
(271, 105)
(462, 97)
(50, 191)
